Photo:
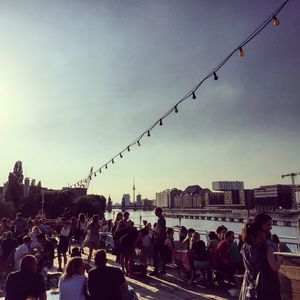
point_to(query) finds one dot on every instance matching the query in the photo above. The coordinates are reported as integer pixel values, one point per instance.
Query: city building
(139, 200)
(127, 199)
(227, 185)
(214, 199)
(238, 198)
(192, 197)
(274, 196)
(166, 197)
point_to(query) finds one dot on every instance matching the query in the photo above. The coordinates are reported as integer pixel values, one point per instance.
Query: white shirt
(20, 252)
(72, 288)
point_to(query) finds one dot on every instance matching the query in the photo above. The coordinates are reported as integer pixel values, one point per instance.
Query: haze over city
(80, 80)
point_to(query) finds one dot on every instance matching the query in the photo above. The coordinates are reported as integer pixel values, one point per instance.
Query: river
(202, 225)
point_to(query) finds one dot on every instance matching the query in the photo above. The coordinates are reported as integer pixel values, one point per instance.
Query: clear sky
(80, 80)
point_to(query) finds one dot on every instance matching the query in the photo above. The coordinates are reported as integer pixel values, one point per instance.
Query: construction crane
(292, 175)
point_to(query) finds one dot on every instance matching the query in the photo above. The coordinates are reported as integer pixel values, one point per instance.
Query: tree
(89, 204)
(7, 209)
(14, 191)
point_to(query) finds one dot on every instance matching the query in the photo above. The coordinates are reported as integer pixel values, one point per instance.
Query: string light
(113, 161)
(276, 21)
(95, 174)
(241, 53)
(213, 73)
(121, 156)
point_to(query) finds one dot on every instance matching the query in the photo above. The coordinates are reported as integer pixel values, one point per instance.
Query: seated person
(75, 252)
(73, 281)
(26, 283)
(168, 249)
(104, 282)
(182, 245)
(189, 239)
(223, 256)
(200, 257)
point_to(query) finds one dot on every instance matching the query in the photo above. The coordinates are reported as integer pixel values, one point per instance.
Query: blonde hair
(36, 228)
(72, 267)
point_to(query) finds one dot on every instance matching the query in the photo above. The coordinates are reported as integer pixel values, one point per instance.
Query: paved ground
(171, 286)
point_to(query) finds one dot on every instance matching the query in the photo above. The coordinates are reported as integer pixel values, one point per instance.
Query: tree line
(16, 199)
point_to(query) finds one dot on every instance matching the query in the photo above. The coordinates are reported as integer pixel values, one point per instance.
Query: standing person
(4, 227)
(26, 283)
(92, 239)
(72, 283)
(260, 278)
(158, 242)
(106, 283)
(8, 244)
(20, 224)
(46, 255)
(116, 242)
(264, 221)
(81, 225)
(63, 244)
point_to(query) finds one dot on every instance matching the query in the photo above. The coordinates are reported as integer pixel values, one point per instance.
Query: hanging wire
(192, 92)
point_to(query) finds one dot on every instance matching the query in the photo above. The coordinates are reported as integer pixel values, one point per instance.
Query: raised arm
(274, 264)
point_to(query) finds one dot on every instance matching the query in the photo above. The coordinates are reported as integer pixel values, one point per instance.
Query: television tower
(133, 190)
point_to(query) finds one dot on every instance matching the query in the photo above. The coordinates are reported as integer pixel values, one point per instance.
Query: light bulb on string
(113, 161)
(148, 133)
(128, 148)
(121, 156)
(241, 52)
(100, 171)
(105, 166)
(160, 122)
(276, 21)
(139, 144)
(176, 109)
(215, 76)
(95, 174)
(194, 96)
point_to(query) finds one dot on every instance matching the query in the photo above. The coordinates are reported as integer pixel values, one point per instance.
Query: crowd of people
(30, 246)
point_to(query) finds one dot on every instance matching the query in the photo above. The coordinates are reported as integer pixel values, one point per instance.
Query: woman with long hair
(260, 278)
(72, 284)
(92, 237)
(63, 244)
(81, 225)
